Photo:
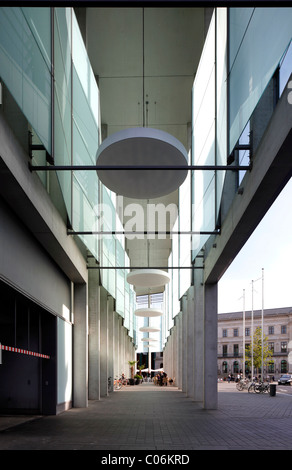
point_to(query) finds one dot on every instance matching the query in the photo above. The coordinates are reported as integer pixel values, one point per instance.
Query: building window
(235, 367)
(235, 332)
(271, 368)
(224, 367)
(271, 330)
(283, 329)
(247, 331)
(224, 348)
(235, 349)
(271, 347)
(283, 346)
(284, 367)
(224, 333)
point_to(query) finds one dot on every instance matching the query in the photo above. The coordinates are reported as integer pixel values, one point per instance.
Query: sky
(267, 251)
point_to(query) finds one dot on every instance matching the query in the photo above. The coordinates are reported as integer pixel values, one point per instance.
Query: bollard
(273, 390)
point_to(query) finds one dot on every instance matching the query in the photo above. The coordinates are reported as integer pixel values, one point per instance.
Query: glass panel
(203, 148)
(39, 22)
(253, 32)
(221, 98)
(185, 240)
(120, 280)
(25, 65)
(108, 243)
(285, 68)
(175, 273)
(62, 100)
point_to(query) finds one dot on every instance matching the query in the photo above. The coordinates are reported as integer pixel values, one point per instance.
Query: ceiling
(145, 60)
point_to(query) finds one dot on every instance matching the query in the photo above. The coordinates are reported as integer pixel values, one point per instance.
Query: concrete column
(190, 312)
(178, 378)
(116, 346)
(184, 345)
(103, 343)
(94, 334)
(210, 347)
(80, 347)
(198, 336)
(174, 353)
(111, 339)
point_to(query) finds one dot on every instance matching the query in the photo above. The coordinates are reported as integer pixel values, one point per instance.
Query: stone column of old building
(210, 346)
(290, 343)
(94, 335)
(103, 343)
(80, 346)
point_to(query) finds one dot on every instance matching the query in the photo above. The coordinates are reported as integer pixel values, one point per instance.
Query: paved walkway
(152, 418)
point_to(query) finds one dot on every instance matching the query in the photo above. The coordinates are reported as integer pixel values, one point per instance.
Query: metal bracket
(138, 167)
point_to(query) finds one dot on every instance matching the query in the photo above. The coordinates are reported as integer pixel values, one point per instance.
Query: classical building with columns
(140, 147)
(235, 331)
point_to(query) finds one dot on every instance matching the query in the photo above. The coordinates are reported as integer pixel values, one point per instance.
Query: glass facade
(45, 66)
(25, 58)
(252, 33)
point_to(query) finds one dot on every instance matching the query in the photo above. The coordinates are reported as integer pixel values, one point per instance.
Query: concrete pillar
(111, 338)
(174, 352)
(184, 345)
(116, 346)
(190, 313)
(103, 343)
(178, 378)
(80, 347)
(198, 336)
(94, 334)
(210, 347)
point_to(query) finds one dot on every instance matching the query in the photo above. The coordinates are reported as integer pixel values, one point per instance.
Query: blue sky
(269, 248)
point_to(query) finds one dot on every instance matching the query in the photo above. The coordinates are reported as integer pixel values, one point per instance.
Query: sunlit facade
(69, 242)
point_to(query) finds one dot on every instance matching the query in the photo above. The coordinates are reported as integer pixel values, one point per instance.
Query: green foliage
(257, 350)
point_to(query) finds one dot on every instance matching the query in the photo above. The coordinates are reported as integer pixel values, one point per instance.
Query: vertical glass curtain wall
(44, 64)
(209, 129)
(25, 64)
(200, 194)
(258, 38)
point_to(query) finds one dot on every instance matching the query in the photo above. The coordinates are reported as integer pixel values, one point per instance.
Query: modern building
(235, 332)
(140, 147)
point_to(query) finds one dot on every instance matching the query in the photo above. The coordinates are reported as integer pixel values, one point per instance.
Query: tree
(257, 351)
(131, 364)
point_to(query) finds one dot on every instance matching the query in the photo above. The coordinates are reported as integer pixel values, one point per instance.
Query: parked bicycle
(120, 382)
(259, 387)
(243, 384)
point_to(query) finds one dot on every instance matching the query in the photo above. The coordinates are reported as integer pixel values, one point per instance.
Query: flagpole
(252, 330)
(262, 324)
(243, 335)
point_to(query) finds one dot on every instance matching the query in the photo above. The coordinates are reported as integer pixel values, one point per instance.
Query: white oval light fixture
(149, 339)
(149, 329)
(148, 312)
(142, 146)
(148, 278)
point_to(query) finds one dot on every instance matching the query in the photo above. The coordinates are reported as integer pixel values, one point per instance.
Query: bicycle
(120, 382)
(243, 384)
(260, 387)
